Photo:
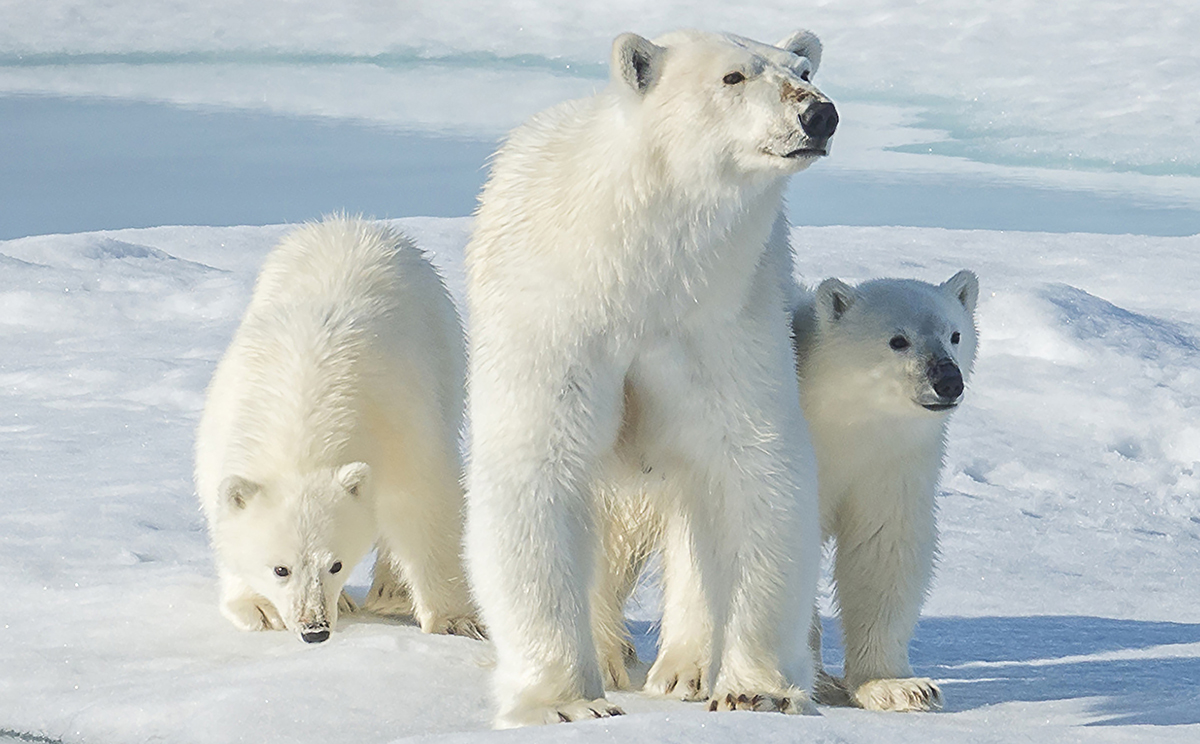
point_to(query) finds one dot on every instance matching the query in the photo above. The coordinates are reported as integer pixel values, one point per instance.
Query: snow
(1067, 601)
(1066, 594)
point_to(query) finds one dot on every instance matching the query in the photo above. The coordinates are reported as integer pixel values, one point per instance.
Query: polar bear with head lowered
(881, 367)
(332, 420)
(627, 282)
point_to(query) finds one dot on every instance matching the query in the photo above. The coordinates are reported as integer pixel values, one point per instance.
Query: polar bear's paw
(831, 690)
(615, 664)
(676, 677)
(467, 626)
(791, 702)
(579, 710)
(388, 596)
(902, 695)
(252, 613)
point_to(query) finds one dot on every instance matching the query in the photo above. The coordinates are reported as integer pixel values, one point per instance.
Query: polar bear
(881, 367)
(628, 281)
(331, 421)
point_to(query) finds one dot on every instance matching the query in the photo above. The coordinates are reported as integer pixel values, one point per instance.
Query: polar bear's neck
(603, 209)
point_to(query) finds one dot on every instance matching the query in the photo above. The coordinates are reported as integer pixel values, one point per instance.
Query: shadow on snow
(1125, 667)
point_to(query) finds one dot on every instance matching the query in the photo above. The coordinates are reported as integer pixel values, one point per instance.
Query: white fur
(333, 419)
(879, 454)
(626, 279)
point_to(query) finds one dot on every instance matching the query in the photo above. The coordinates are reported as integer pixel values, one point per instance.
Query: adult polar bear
(627, 282)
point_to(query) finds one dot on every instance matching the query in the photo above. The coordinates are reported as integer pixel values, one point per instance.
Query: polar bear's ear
(804, 43)
(354, 477)
(235, 491)
(637, 62)
(834, 298)
(964, 287)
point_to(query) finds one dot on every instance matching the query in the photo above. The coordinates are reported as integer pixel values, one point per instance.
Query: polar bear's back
(365, 267)
(349, 324)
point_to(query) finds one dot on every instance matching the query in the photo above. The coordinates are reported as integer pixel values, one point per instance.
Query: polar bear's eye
(337, 566)
(282, 572)
(955, 337)
(734, 78)
(899, 343)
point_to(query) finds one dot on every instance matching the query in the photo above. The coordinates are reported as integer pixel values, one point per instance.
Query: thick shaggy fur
(876, 367)
(333, 420)
(630, 340)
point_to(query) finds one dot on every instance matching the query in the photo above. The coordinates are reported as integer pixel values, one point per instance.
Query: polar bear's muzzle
(947, 382)
(314, 634)
(313, 617)
(819, 119)
(818, 122)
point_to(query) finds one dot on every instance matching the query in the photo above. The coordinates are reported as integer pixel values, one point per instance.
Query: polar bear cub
(331, 421)
(881, 367)
(630, 333)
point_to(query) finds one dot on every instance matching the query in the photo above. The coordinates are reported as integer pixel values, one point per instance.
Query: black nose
(946, 379)
(314, 636)
(819, 120)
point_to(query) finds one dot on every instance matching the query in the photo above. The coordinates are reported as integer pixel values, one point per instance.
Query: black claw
(784, 704)
(671, 685)
(596, 713)
(712, 704)
(615, 711)
(563, 717)
(693, 685)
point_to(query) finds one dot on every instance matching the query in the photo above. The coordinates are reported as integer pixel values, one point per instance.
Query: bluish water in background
(70, 165)
(73, 165)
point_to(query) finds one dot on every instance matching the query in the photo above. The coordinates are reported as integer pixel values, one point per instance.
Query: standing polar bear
(628, 277)
(333, 420)
(881, 366)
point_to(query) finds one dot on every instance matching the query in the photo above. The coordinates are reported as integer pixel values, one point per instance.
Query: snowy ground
(1067, 604)
(1067, 596)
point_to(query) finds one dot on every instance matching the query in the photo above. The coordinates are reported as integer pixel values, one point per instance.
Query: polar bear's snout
(314, 618)
(314, 626)
(947, 381)
(819, 119)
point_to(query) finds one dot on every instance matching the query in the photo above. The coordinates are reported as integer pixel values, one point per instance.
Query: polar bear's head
(295, 540)
(728, 103)
(894, 346)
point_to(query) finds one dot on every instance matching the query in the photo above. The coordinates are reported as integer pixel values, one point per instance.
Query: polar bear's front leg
(764, 657)
(419, 503)
(882, 569)
(748, 509)
(423, 546)
(761, 535)
(537, 444)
